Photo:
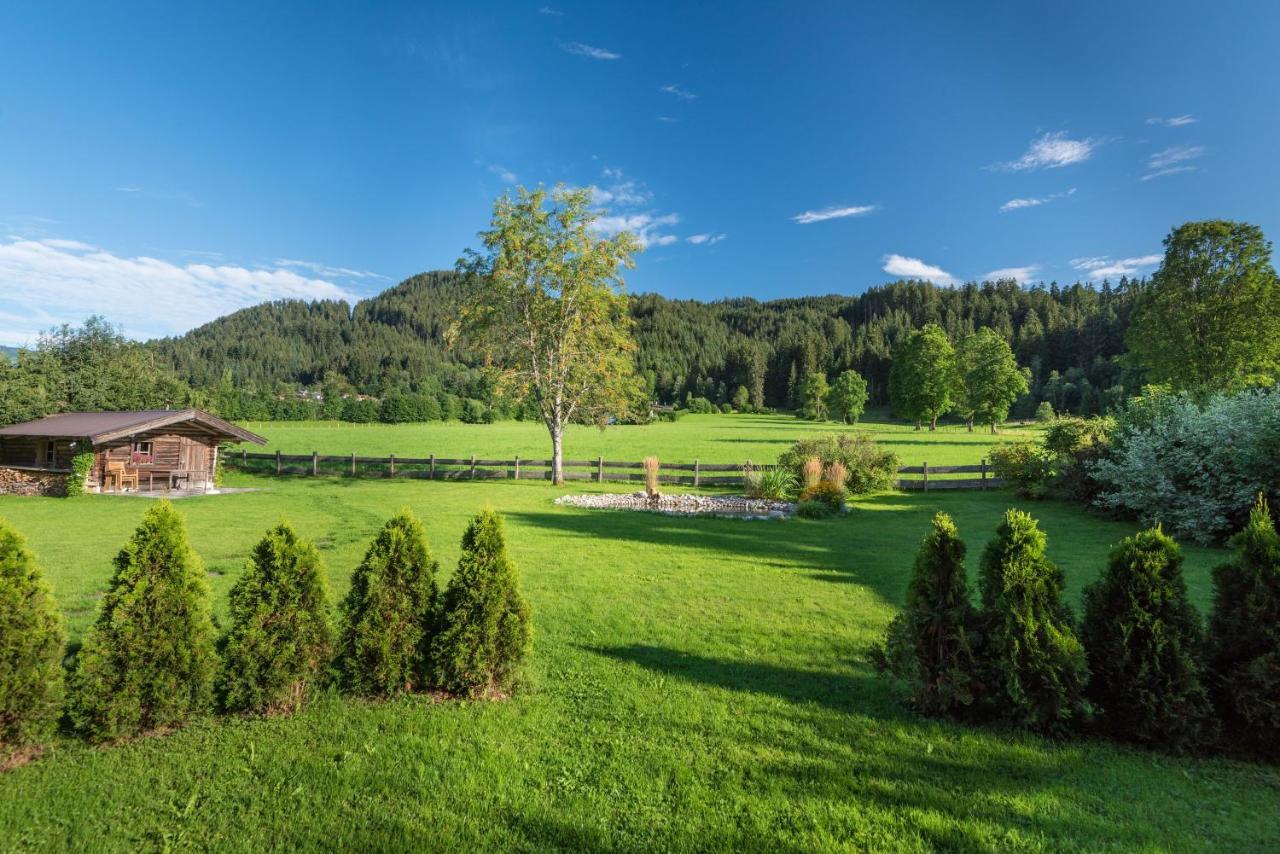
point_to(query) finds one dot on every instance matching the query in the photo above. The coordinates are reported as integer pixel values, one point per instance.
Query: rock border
(722, 506)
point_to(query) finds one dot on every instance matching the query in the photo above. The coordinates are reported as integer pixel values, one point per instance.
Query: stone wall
(17, 481)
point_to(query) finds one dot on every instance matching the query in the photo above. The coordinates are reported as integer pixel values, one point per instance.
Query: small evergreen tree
(930, 644)
(31, 643)
(387, 616)
(1036, 666)
(280, 641)
(484, 622)
(149, 661)
(1144, 644)
(1244, 630)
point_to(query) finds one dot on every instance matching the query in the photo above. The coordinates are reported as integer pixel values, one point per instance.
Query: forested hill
(1069, 337)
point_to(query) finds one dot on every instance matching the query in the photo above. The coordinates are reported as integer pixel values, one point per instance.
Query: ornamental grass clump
(484, 620)
(930, 645)
(149, 661)
(31, 644)
(1244, 632)
(651, 476)
(388, 615)
(280, 642)
(1035, 666)
(837, 473)
(811, 472)
(1145, 644)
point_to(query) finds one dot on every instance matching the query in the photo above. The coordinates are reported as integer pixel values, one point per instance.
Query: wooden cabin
(146, 451)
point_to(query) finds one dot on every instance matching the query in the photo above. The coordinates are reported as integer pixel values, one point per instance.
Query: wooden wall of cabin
(172, 448)
(32, 452)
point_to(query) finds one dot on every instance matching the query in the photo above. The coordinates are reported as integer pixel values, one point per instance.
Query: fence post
(433, 466)
(244, 458)
(353, 464)
(984, 472)
(279, 467)
(473, 466)
(600, 470)
(925, 468)
(392, 460)
(315, 463)
(696, 473)
(515, 475)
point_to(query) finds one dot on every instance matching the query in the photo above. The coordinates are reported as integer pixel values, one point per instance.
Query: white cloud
(1051, 151)
(580, 49)
(1173, 121)
(914, 268)
(1019, 204)
(832, 213)
(128, 189)
(504, 173)
(1172, 160)
(621, 193)
(667, 119)
(318, 268)
(547, 10)
(1104, 267)
(47, 282)
(646, 227)
(708, 239)
(679, 91)
(1021, 275)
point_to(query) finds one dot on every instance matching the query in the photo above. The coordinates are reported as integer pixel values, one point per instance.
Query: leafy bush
(814, 510)
(700, 406)
(1024, 465)
(149, 661)
(387, 616)
(774, 484)
(31, 642)
(1145, 644)
(484, 621)
(1195, 468)
(1035, 665)
(280, 641)
(826, 492)
(1244, 631)
(1044, 412)
(81, 465)
(870, 468)
(930, 645)
(1074, 445)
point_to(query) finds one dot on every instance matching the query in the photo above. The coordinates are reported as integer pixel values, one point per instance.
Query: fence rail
(599, 470)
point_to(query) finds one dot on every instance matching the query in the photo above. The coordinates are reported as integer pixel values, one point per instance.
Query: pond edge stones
(729, 506)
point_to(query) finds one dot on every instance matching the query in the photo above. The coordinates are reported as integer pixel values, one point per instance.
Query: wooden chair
(122, 476)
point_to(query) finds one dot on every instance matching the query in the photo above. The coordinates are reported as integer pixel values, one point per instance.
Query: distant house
(147, 450)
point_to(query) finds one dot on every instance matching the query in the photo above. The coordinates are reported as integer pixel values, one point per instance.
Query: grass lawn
(709, 438)
(696, 683)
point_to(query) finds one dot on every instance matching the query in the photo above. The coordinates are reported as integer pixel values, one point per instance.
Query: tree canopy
(922, 382)
(989, 378)
(848, 397)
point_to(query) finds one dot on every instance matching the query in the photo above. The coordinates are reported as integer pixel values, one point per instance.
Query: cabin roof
(99, 427)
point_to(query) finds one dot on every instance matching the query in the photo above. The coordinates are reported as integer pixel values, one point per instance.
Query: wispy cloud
(667, 119)
(832, 213)
(580, 49)
(43, 282)
(914, 268)
(1052, 151)
(1021, 275)
(1172, 160)
(183, 198)
(1173, 121)
(504, 173)
(707, 239)
(1103, 266)
(128, 189)
(621, 191)
(679, 91)
(645, 226)
(547, 10)
(1019, 204)
(324, 269)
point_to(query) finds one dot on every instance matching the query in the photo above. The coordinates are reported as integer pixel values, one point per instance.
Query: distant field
(708, 438)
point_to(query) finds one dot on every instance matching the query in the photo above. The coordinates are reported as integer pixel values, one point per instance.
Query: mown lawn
(709, 438)
(695, 684)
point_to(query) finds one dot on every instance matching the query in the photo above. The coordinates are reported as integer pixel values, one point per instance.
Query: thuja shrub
(31, 643)
(930, 646)
(1033, 662)
(387, 616)
(1244, 631)
(1145, 645)
(484, 620)
(281, 641)
(149, 661)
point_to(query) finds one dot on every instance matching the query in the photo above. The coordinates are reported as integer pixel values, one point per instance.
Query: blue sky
(162, 165)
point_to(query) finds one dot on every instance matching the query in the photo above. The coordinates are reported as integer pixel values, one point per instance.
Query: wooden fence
(599, 470)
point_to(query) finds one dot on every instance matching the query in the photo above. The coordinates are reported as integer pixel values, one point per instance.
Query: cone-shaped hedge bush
(280, 642)
(149, 662)
(387, 617)
(484, 621)
(1145, 646)
(930, 644)
(31, 643)
(1035, 664)
(1244, 631)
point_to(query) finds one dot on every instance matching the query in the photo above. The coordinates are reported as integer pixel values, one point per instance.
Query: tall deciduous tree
(813, 397)
(848, 397)
(922, 381)
(990, 379)
(1210, 318)
(549, 310)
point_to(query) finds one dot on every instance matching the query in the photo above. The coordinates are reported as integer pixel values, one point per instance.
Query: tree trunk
(970, 425)
(994, 431)
(557, 455)
(933, 423)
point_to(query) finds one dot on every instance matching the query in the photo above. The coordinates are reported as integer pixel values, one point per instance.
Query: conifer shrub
(484, 620)
(387, 616)
(31, 643)
(930, 646)
(1244, 634)
(1145, 645)
(149, 661)
(280, 642)
(1033, 662)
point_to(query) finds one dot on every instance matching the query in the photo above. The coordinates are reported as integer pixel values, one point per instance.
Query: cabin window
(141, 452)
(50, 454)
